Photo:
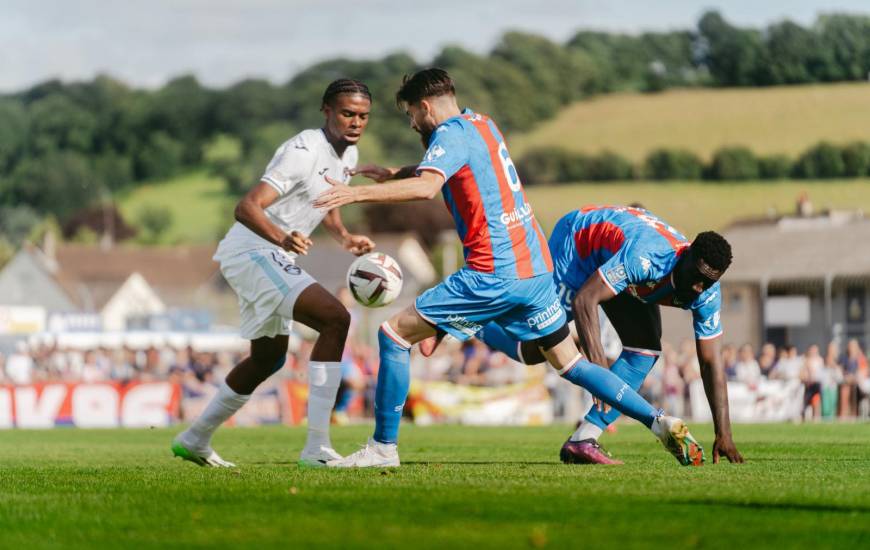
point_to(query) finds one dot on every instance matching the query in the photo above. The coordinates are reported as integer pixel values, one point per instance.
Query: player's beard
(424, 138)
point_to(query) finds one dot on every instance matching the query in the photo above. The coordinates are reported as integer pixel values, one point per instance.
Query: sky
(145, 43)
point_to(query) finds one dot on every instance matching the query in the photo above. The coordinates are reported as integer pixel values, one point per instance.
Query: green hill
(785, 119)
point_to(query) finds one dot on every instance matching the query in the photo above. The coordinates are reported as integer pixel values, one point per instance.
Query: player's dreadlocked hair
(713, 249)
(432, 82)
(344, 86)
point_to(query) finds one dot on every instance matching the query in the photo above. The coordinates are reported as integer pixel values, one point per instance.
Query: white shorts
(267, 283)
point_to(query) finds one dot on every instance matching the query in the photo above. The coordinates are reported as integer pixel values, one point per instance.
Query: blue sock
(610, 388)
(633, 368)
(495, 337)
(394, 380)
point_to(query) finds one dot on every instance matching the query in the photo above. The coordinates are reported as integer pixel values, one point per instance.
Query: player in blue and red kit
(630, 262)
(508, 274)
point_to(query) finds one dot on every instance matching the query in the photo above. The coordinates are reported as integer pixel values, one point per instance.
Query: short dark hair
(713, 249)
(344, 86)
(431, 82)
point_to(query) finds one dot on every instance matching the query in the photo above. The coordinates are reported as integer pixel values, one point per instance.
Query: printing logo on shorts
(517, 216)
(463, 325)
(547, 317)
(435, 152)
(615, 274)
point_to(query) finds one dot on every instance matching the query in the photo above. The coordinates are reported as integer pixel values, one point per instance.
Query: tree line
(67, 146)
(824, 160)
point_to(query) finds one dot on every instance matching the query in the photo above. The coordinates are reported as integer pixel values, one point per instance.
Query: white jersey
(297, 172)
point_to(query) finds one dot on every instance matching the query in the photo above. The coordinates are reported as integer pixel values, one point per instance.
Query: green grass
(201, 209)
(786, 119)
(696, 206)
(804, 486)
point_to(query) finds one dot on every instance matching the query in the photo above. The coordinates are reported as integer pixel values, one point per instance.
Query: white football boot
(372, 455)
(675, 436)
(317, 456)
(206, 457)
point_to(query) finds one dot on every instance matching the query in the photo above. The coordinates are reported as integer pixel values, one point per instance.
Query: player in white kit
(257, 258)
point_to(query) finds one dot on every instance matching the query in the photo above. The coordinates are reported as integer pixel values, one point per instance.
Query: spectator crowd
(836, 382)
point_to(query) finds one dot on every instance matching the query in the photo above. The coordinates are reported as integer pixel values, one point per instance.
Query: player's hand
(724, 446)
(296, 242)
(373, 172)
(358, 244)
(600, 405)
(339, 195)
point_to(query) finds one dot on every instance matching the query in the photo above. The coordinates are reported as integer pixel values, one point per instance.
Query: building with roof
(795, 280)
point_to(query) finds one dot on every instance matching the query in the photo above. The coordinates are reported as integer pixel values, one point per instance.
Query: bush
(672, 164)
(774, 167)
(856, 159)
(733, 163)
(609, 166)
(154, 220)
(540, 166)
(821, 161)
(161, 157)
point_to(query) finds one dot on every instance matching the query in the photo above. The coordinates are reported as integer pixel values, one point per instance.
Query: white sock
(323, 381)
(586, 430)
(219, 410)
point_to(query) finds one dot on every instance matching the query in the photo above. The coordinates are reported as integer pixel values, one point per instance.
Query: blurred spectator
(812, 374)
(789, 365)
(729, 361)
(20, 365)
(672, 381)
(854, 374)
(746, 369)
(767, 359)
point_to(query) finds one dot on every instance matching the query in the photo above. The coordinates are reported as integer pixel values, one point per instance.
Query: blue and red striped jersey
(633, 251)
(483, 192)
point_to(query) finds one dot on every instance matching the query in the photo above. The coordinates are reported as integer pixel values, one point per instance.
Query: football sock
(394, 380)
(495, 337)
(610, 388)
(219, 410)
(323, 381)
(633, 367)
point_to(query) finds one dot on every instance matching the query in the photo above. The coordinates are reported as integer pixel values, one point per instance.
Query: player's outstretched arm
(422, 187)
(250, 212)
(585, 308)
(716, 388)
(355, 244)
(380, 174)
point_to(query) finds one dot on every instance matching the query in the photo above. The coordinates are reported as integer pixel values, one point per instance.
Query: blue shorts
(526, 309)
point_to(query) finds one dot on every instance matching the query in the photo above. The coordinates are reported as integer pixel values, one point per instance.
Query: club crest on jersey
(712, 323)
(645, 264)
(435, 152)
(615, 274)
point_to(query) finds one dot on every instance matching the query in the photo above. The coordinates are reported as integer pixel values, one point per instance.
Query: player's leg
(194, 444)
(318, 309)
(395, 338)
(639, 328)
(540, 317)
(457, 306)
(611, 389)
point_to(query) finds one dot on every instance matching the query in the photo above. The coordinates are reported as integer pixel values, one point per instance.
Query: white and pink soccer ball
(374, 279)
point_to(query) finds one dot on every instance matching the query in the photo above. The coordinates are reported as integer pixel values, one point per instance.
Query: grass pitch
(804, 486)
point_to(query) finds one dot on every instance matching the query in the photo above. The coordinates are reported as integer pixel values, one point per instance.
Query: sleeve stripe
(277, 186)
(604, 278)
(710, 337)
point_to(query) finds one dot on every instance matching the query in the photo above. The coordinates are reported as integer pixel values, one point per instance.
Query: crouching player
(508, 275)
(629, 262)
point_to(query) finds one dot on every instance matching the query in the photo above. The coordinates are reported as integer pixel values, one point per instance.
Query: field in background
(201, 211)
(804, 486)
(694, 206)
(768, 120)
(200, 207)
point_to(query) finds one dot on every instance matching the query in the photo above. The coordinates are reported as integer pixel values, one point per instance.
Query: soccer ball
(375, 279)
